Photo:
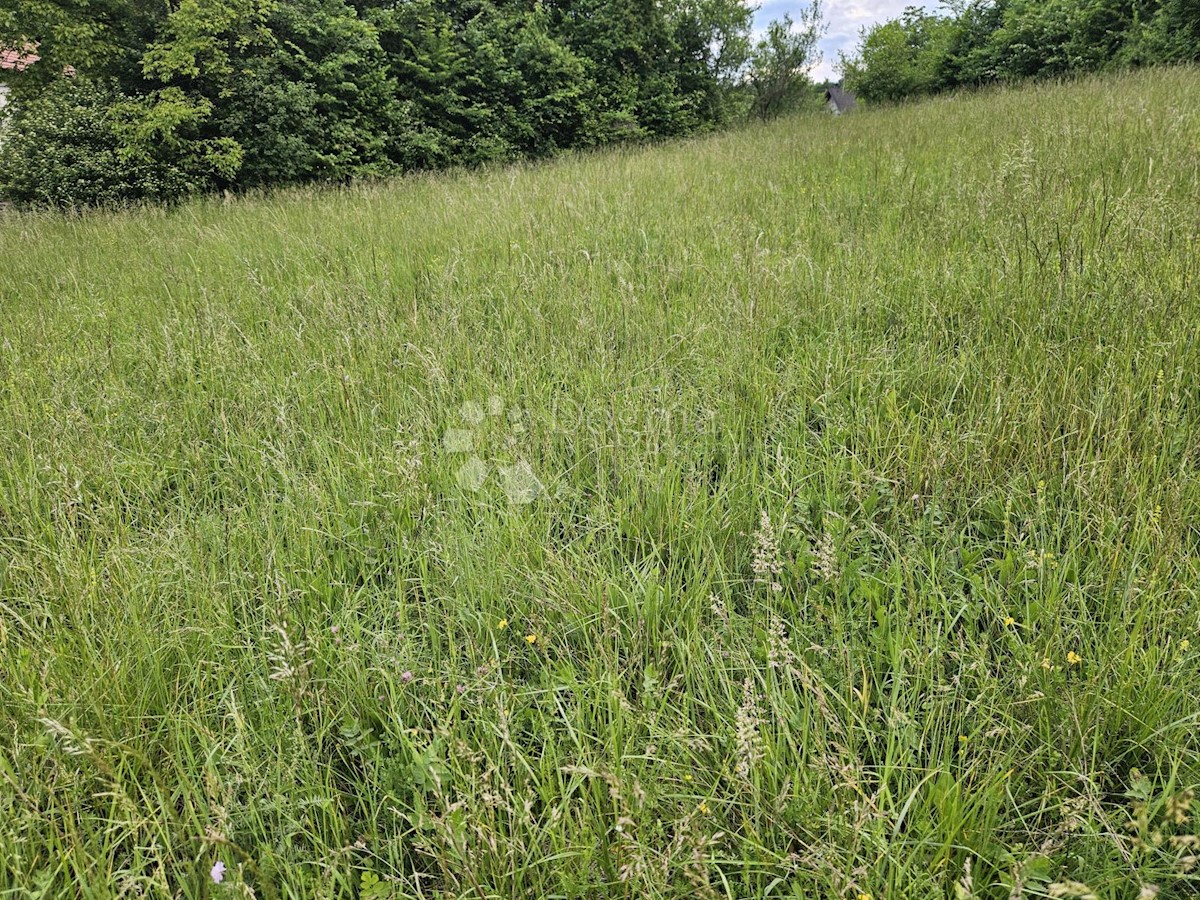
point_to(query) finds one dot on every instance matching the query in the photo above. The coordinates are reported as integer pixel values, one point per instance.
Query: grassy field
(809, 511)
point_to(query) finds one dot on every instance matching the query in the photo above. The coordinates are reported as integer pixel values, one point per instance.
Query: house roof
(18, 60)
(842, 99)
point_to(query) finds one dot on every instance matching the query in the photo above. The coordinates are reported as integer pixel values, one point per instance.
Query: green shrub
(983, 41)
(300, 88)
(237, 94)
(65, 148)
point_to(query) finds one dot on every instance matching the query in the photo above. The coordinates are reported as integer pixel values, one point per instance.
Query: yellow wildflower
(1009, 620)
(1184, 644)
(531, 639)
(703, 807)
(502, 624)
(1074, 658)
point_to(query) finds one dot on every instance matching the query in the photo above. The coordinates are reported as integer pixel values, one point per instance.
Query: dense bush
(475, 89)
(72, 147)
(903, 57)
(247, 93)
(1004, 40)
(301, 86)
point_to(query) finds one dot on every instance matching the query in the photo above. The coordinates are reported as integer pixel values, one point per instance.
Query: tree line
(161, 100)
(983, 41)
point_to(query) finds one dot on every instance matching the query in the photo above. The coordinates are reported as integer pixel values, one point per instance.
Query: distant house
(16, 61)
(839, 100)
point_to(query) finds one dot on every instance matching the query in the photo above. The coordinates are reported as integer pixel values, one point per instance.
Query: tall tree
(300, 85)
(627, 47)
(906, 57)
(712, 43)
(780, 61)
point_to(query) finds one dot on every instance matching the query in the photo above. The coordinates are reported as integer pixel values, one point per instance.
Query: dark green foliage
(1171, 34)
(968, 59)
(101, 39)
(301, 86)
(711, 44)
(532, 87)
(627, 49)
(78, 144)
(335, 58)
(494, 84)
(249, 93)
(1003, 40)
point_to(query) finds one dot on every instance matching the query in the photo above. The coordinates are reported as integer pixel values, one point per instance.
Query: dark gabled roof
(842, 99)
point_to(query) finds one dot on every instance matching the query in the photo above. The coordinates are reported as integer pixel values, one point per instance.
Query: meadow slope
(807, 511)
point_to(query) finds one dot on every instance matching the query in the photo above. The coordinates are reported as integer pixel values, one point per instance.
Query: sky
(845, 18)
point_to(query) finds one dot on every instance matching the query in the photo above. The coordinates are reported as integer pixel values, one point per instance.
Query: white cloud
(845, 19)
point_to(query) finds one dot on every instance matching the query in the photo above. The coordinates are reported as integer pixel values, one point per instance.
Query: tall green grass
(806, 511)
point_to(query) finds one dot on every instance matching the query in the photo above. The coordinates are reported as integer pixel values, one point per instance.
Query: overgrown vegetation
(805, 511)
(232, 94)
(983, 41)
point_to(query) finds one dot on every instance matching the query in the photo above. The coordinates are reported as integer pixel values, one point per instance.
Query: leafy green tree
(1180, 22)
(533, 87)
(300, 85)
(1171, 33)
(779, 63)
(629, 54)
(989, 40)
(426, 60)
(336, 95)
(711, 40)
(905, 57)
(970, 55)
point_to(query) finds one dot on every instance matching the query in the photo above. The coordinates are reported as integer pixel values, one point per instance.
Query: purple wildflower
(218, 872)
(406, 677)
